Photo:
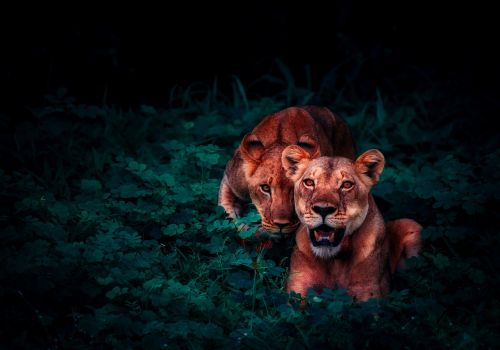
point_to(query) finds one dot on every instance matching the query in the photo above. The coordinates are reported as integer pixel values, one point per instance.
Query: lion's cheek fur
(356, 214)
(262, 204)
(302, 199)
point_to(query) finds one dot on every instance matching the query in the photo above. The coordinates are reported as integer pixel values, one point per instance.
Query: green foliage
(112, 236)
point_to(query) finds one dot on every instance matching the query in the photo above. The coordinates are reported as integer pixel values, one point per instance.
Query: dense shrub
(111, 234)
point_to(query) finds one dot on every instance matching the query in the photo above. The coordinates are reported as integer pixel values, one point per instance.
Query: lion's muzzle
(326, 236)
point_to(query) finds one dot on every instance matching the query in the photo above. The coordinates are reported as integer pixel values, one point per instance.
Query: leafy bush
(111, 234)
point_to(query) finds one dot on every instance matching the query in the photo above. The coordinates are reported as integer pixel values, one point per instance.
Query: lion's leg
(302, 275)
(296, 284)
(229, 201)
(363, 292)
(406, 241)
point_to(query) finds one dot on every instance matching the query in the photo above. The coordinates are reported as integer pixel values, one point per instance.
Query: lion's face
(331, 194)
(272, 192)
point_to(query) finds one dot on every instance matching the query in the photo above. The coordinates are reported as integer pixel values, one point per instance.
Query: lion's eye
(265, 188)
(309, 182)
(347, 185)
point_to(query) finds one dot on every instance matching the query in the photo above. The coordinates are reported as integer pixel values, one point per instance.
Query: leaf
(250, 218)
(51, 232)
(61, 211)
(288, 312)
(173, 229)
(208, 159)
(173, 145)
(104, 281)
(240, 280)
(247, 232)
(153, 327)
(432, 232)
(167, 179)
(116, 291)
(472, 208)
(154, 284)
(335, 307)
(94, 255)
(148, 109)
(441, 261)
(131, 190)
(216, 245)
(136, 166)
(90, 186)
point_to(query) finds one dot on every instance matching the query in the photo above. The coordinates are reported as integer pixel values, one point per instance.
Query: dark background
(131, 56)
(80, 152)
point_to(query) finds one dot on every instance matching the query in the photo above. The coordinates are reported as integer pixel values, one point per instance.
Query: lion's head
(331, 194)
(270, 189)
(255, 170)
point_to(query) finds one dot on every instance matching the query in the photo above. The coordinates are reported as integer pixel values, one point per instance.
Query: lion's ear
(251, 148)
(295, 160)
(370, 165)
(309, 144)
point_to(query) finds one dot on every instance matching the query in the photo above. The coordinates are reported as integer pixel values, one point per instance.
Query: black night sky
(136, 55)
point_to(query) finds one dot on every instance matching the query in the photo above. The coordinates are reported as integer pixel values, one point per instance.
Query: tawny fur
(405, 241)
(257, 161)
(362, 265)
(368, 253)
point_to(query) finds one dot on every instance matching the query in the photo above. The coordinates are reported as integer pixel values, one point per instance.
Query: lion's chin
(275, 232)
(326, 236)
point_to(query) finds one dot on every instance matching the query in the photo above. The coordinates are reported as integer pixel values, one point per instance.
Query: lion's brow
(330, 166)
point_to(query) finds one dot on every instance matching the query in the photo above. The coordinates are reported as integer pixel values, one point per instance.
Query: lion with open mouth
(342, 241)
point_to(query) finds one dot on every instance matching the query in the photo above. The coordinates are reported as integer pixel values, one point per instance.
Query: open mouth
(326, 236)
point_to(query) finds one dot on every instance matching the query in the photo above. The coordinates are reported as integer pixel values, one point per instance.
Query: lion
(255, 173)
(342, 240)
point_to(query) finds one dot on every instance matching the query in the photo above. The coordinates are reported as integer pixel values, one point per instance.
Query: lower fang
(317, 236)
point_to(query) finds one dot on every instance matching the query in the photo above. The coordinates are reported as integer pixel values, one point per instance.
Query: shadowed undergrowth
(111, 234)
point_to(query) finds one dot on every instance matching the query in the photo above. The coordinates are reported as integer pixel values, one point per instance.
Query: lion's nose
(324, 210)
